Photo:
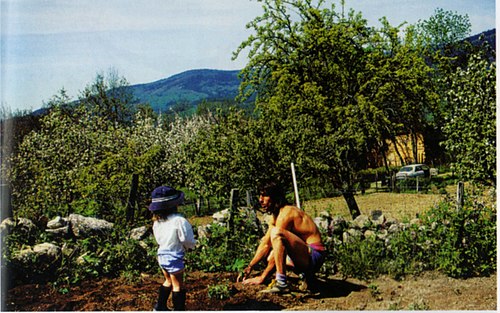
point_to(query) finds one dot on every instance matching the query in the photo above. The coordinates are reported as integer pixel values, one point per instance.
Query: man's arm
(261, 252)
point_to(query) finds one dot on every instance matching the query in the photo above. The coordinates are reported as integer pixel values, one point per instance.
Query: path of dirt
(430, 291)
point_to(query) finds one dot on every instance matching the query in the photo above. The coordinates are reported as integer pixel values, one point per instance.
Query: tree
(470, 125)
(109, 97)
(442, 41)
(317, 80)
(444, 30)
(224, 155)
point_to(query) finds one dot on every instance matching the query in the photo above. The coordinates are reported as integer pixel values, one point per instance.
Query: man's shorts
(172, 263)
(317, 257)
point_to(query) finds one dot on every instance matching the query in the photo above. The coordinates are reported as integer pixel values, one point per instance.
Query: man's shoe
(308, 284)
(276, 288)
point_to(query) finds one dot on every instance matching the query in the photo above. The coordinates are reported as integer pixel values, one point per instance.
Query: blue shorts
(172, 263)
(317, 257)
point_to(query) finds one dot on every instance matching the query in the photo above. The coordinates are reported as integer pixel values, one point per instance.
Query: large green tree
(318, 83)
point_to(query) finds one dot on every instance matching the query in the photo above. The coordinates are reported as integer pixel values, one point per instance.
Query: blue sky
(47, 45)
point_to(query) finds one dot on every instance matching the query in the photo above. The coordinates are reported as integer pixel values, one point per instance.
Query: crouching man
(291, 233)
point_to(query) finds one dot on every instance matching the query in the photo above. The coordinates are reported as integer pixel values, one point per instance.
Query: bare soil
(430, 291)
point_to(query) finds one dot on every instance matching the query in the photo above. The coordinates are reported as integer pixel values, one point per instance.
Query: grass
(400, 206)
(395, 205)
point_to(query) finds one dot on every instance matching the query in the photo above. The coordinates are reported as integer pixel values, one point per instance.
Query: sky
(47, 45)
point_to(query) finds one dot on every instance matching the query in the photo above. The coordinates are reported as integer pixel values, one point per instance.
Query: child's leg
(168, 280)
(178, 293)
(164, 293)
(177, 280)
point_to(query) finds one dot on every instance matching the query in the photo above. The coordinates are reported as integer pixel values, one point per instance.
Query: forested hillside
(188, 87)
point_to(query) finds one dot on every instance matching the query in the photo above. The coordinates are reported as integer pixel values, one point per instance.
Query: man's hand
(253, 281)
(243, 276)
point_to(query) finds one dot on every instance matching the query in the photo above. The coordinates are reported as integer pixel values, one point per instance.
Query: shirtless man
(291, 233)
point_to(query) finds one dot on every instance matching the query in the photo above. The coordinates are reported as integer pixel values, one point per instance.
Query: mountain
(489, 37)
(189, 87)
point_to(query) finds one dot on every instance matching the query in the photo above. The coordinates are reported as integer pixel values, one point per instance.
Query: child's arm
(186, 235)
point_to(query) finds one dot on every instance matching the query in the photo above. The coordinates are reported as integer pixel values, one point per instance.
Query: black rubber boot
(179, 300)
(163, 294)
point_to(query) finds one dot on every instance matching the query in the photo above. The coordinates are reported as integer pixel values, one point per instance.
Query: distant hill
(188, 87)
(489, 36)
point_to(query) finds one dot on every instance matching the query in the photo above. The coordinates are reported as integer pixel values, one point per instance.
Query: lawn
(396, 205)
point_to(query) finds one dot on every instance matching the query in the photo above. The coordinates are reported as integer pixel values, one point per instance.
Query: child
(174, 236)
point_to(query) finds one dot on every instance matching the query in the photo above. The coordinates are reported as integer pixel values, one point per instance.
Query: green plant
(374, 291)
(458, 242)
(219, 291)
(420, 305)
(224, 249)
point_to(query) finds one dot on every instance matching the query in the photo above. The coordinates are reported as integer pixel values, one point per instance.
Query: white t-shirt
(173, 234)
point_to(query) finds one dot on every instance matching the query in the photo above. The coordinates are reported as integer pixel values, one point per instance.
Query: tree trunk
(397, 151)
(414, 143)
(351, 204)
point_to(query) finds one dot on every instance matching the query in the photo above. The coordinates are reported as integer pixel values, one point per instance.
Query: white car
(413, 170)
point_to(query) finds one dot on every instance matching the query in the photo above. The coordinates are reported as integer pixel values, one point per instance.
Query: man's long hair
(276, 193)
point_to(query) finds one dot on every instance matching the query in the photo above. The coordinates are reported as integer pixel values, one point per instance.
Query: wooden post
(249, 198)
(233, 204)
(132, 198)
(460, 195)
(198, 205)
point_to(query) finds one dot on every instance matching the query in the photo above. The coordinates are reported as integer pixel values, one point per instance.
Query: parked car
(413, 170)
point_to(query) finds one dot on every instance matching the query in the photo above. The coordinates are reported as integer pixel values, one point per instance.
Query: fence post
(132, 198)
(295, 188)
(233, 203)
(249, 198)
(198, 205)
(460, 195)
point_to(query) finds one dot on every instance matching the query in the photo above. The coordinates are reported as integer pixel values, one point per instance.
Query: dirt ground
(430, 291)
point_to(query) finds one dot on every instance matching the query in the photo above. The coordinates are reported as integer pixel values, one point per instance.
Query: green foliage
(470, 125)
(460, 243)
(444, 29)
(361, 258)
(219, 291)
(223, 249)
(331, 90)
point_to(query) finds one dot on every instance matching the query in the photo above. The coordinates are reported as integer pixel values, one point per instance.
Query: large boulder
(82, 226)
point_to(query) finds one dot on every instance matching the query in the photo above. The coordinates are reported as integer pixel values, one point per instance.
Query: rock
(351, 235)
(203, 231)
(61, 231)
(139, 233)
(390, 221)
(321, 222)
(57, 222)
(369, 233)
(21, 225)
(377, 217)
(82, 226)
(382, 234)
(221, 216)
(362, 222)
(394, 228)
(44, 254)
(337, 225)
(47, 252)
